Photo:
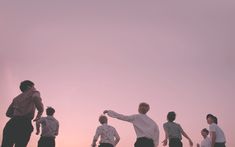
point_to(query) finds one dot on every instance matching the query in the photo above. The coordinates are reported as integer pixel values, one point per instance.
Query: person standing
(216, 133)
(174, 132)
(146, 129)
(18, 129)
(50, 129)
(108, 135)
(206, 142)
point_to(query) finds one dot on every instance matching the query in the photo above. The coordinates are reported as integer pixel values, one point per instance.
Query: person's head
(143, 108)
(171, 116)
(25, 85)
(215, 120)
(50, 111)
(103, 119)
(211, 119)
(204, 132)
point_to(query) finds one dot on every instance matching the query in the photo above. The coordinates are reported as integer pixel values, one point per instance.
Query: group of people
(18, 129)
(147, 131)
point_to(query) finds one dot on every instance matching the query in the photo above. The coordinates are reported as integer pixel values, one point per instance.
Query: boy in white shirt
(146, 129)
(50, 129)
(108, 134)
(206, 142)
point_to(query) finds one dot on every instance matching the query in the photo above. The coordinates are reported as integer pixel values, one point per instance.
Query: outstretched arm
(119, 116)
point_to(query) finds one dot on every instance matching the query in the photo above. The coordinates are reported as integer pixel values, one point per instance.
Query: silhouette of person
(50, 129)
(18, 129)
(108, 135)
(206, 142)
(174, 132)
(216, 133)
(146, 129)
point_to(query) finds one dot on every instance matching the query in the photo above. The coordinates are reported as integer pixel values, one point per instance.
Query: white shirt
(220, 137)
(206, 142)
(50, 126)
(144, 126)
(107, 133)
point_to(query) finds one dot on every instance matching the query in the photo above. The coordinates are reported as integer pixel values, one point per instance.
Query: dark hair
(50, 111)
(205, 130)
(25, 85)
(103, 119)
(171, 116)
(144, 107)
(214, 118)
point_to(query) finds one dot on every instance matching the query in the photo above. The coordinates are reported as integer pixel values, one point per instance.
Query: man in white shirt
(206, 142)
(108, 134)
(50, 129)
(216, 133)
(146, 129)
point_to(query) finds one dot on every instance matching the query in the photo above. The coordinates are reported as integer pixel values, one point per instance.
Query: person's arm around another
(186, 136)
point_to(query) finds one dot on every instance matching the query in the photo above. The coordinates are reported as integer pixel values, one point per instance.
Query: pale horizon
(86, 57)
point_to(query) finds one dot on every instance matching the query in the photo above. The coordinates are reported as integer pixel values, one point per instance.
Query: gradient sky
(85, 57)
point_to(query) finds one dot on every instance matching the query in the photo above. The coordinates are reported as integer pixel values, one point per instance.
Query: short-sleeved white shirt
(220, 137)
(206, 142)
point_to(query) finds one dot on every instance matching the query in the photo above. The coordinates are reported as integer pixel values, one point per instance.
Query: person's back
(50, 129)
(144, 126)
(174, 130)
(108, 134)
(24, 104)
(18, 129)
(146, 129)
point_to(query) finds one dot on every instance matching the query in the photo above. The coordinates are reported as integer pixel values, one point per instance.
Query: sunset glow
(86, 57)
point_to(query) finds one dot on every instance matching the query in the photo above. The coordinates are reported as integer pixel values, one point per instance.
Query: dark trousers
(105, 145)
(144, 142)
(17, 131)
(46, 142)
(220, 144)
(175, 142)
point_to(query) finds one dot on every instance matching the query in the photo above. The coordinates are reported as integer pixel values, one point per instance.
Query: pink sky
(85, 57)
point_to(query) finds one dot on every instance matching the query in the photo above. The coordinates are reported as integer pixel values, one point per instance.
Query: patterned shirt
(24, 105)
(50, 126)
(107, 133)
(173, 130)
